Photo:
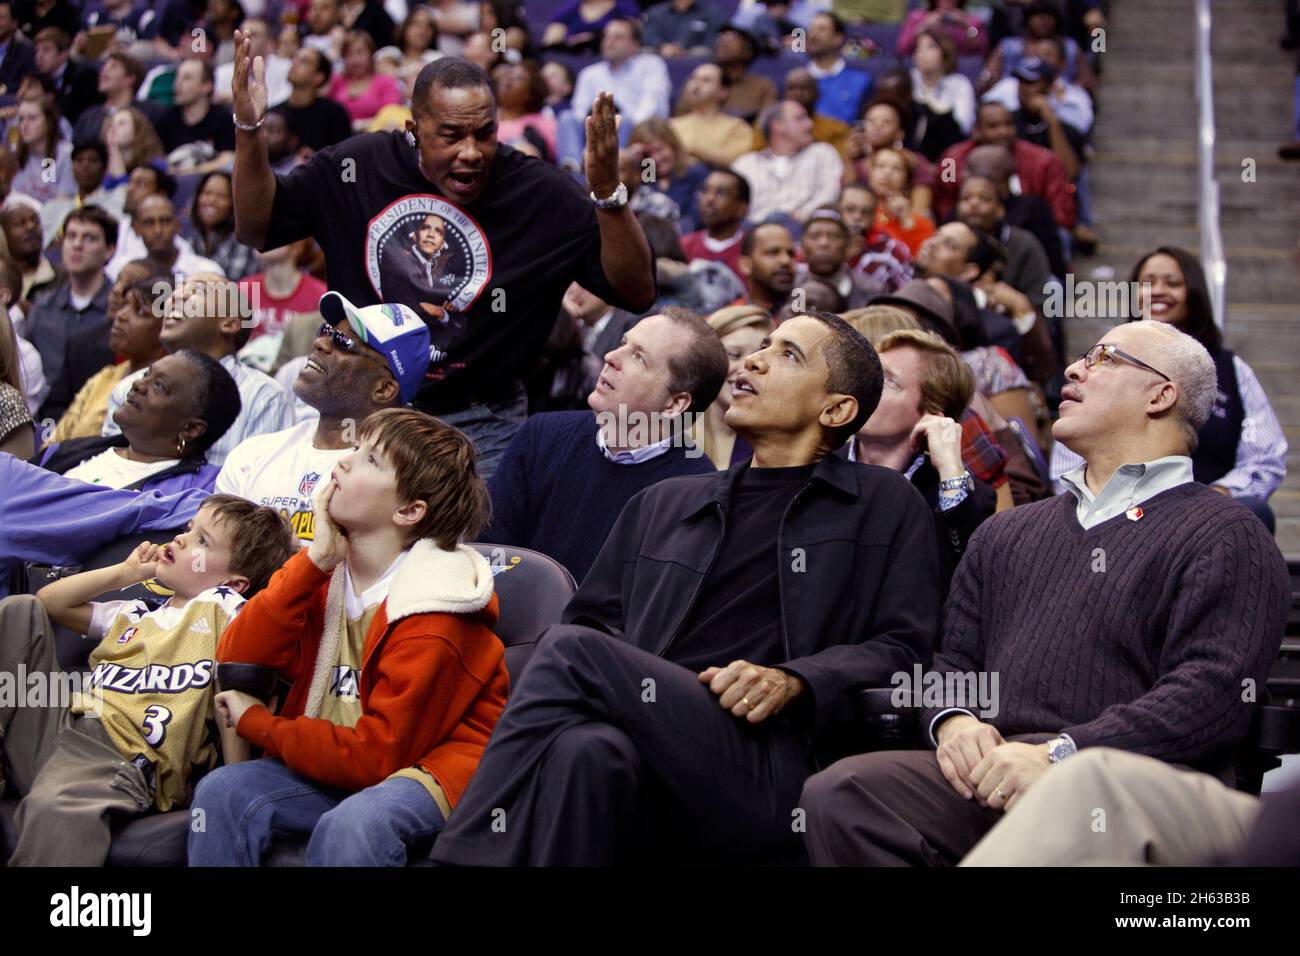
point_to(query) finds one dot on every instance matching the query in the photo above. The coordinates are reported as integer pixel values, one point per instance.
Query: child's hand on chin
(329, 544)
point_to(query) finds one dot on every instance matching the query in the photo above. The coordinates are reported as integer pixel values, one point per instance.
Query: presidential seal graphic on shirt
(431, 256)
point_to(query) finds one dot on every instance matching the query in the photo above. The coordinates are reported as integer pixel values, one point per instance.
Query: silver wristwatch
(616, 200)
(954, 485)
(1060, 748)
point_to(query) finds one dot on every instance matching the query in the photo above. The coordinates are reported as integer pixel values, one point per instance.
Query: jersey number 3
(156, 719)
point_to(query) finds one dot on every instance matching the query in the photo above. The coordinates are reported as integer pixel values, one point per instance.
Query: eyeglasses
(347, 343)
(1109, 353)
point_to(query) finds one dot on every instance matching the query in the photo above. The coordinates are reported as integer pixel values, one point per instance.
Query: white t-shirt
(104, 613)
(281, 470)
(112, 470)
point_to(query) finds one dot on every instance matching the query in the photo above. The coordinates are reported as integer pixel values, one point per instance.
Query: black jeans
(606, 752)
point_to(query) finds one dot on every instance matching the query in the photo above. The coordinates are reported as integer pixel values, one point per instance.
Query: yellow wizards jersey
(152, 686)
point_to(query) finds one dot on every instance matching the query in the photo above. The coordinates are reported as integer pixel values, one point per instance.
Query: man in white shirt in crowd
(639, 81)
(346, 381)
(277, 67)
(158, 228)
(794, 175)
(205, 313)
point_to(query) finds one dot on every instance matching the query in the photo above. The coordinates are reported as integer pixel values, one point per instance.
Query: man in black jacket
(716, 651)
(17, 58)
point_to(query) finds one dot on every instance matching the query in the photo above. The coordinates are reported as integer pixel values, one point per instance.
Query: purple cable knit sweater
(1149, 655)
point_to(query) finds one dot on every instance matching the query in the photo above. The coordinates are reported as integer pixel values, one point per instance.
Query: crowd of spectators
(823, 236)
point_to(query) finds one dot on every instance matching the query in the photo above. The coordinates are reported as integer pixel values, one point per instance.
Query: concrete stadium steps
(1144, 184)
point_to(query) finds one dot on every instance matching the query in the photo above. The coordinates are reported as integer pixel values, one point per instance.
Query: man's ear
(838, 411)
(746, 266)
(1165, 398)
(970, 273)
(385, 391)
(677, 404)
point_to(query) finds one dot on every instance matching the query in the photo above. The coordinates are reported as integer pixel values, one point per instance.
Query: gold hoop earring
(180, 447)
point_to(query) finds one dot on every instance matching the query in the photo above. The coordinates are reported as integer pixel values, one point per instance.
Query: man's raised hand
(601, 156)
(248, 85)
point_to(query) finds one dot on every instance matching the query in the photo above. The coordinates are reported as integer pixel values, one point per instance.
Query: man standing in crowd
(522, 229)
(567, 475)
(193, 118)
(802, 579)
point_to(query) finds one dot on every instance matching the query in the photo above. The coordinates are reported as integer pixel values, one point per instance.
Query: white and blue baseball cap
(392, 330)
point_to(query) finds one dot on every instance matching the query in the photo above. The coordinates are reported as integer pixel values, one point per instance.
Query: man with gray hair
(794, 175)
(1136, 613)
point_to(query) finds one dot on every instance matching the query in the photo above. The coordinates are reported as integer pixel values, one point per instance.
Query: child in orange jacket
(384, 626)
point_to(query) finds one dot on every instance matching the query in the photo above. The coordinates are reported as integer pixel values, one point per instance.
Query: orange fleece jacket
(432, 686)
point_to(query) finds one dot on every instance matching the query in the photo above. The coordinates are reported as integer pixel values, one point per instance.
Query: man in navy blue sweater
(565, 476)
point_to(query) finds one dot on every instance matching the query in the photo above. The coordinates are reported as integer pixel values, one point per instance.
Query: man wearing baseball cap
(392, 330)
(362, 361)
(824, 245)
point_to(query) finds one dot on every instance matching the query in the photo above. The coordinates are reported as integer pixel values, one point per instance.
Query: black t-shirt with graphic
(487, 279)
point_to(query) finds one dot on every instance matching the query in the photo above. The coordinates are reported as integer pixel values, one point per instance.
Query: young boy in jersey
(384, 626)
(131, 741)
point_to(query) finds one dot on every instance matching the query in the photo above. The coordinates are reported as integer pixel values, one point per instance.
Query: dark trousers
(893, 808)
(606, 752)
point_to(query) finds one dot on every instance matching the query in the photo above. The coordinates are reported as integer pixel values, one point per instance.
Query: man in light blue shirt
(639, 81)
